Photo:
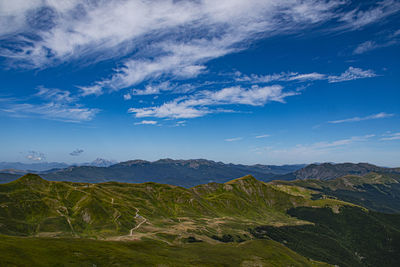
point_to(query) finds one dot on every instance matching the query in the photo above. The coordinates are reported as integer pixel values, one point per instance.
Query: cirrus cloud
(381, 115)
(199, 104)
(154, 39)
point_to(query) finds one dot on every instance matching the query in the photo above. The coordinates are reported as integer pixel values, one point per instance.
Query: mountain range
(45, 166)
(188, 173)
(185, 173)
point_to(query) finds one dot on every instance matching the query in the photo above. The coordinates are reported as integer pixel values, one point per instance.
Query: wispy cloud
(54, 104)
(159, 88)
(263, 136)
(197, 105)
(342, 142)
(391, 136)
(76, 152)
(180, 123)
(388, 40)
(365, 47)
(149, 39)
(381, 115)
(55, 95)
(318, 148)
(52, 111)
(146, 122)
(233, 139)
(35, 156)
(352, 73)
(91, 90)
(360, 17)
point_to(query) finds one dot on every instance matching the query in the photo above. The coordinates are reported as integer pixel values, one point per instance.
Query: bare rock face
(86, 216)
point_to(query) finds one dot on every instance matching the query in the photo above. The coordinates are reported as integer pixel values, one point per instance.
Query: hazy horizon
(187, 159)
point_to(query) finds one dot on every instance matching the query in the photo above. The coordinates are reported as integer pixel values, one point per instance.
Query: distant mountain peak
(248, 179)
(32, 180)
(99, 162)
(133, 162)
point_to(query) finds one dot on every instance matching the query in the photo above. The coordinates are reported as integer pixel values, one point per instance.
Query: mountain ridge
(186, 173)
(326, 171)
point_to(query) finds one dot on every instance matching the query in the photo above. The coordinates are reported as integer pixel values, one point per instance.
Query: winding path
(137, 226)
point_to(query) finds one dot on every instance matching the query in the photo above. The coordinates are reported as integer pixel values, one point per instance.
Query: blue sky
(269, 82)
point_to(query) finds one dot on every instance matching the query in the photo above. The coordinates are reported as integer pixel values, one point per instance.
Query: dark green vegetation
(186, 173)
(17, 251)
(375, 191)
(352, 237)
(327, 171)
(33, 206)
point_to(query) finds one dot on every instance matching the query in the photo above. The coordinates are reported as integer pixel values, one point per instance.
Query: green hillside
(32, 206)
(350, 238)
(17, 251)
(375, 191)
(229, 224)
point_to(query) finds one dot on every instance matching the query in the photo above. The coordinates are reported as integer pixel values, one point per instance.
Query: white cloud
(153, 89)
(145, 122)
(365, 47)
(198, 104)
(380, 115)
(57, 105)
(180, 123)
(233, 139)
(307, 77)
(358, 18)
(91, 90)
(174, 109)
(263, 136)
(152, 36)
(83, 28)
(52, 111)
(55, 95)
(127, 96)
(387, 41)
(351, 74)
(391, 136)
(35, 156)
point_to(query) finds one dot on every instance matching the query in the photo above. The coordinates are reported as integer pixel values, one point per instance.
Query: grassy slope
(33, 206)
(375, 191)
(17, 251)
(352, 237)
(168, 215)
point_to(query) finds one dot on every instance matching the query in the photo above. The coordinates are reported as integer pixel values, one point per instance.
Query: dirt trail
(137, 226)
(66, 217)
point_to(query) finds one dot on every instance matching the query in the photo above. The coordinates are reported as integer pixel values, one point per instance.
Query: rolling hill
(375, 191)
(32, 206)
(262, 224)
(327, 171)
